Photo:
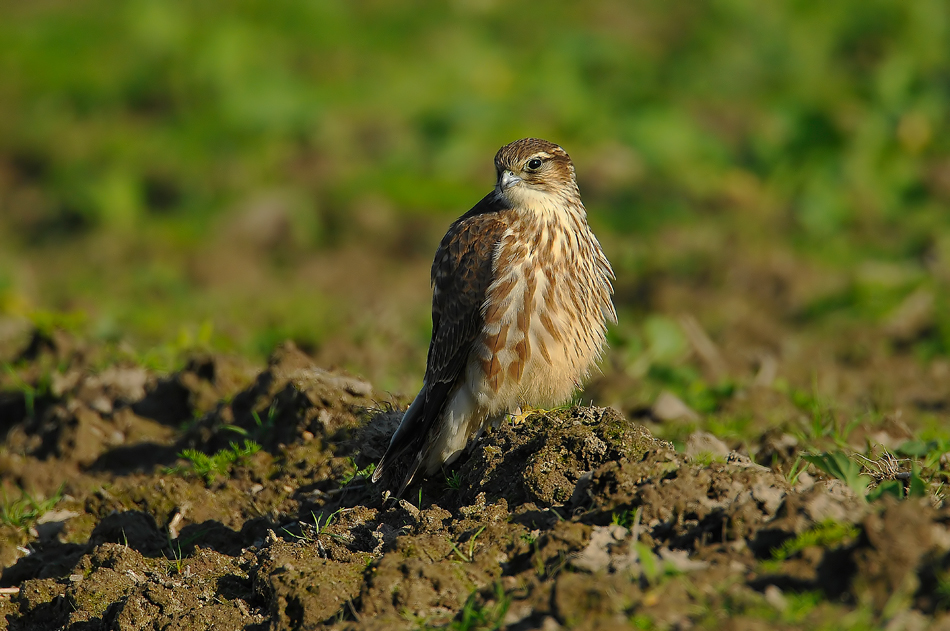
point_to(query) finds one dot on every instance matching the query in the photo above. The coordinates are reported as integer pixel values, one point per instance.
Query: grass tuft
(209, 467)
(23, 511)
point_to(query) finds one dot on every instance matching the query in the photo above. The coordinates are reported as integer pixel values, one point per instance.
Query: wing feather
(461, 274)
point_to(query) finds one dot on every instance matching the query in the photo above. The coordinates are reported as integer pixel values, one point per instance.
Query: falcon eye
(533, 164)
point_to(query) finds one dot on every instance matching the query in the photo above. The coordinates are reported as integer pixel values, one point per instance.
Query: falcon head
(529, 170)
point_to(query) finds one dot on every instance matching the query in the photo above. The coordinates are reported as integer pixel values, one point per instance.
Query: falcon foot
(516, 417)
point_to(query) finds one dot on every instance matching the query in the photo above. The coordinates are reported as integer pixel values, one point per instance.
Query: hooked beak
(507, 180)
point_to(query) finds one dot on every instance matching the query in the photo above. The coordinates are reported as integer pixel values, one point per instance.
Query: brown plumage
(520, 303)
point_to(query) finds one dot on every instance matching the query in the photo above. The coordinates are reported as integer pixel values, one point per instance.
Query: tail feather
(404, 437)
(413, 431)
(411, 473)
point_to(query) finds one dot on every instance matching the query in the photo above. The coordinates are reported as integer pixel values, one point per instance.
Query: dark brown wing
(461, 274)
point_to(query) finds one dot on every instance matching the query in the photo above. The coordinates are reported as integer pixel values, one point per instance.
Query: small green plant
(800, 604)
(916, 486)
(471, 547)
(827, 534)
(310, 532)
(688, 385)
(652, 569)
(177, 562)
(930, 451)
(943, 589)
(266, 426)
(24, 510)
(365, 473)
(262, 427)
(453, 481)
(822, 421)
(705, 458)
(30, 392)
(796, 470)
(319, 529)
(837, 464)
(219, 463)
(884, 470)
(625, 518)
(488, 616)
(48, 322)
(205, 466)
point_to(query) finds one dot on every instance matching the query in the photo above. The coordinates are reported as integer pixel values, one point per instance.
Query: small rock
(744, 461)
(775, 597)
(580, 489)
(914, 315)
(908, 620)
(56, 515)
(65, 381)
(384, 535)
(550, 624)
(769, 496)
(596, 556)
(941, 537)
(669, 407)
(768, 371)
(679, 559)
(701, 442)
(804, 482)
(51, 524)
(409, 508)
(831, 501)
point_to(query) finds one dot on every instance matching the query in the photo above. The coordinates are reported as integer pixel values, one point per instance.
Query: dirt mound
(220, 498)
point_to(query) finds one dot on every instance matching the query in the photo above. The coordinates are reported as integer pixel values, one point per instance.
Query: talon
(518, 416)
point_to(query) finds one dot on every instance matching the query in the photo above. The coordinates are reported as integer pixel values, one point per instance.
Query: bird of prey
(521, 297)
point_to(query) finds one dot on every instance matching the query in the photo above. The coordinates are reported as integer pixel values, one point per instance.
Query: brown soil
(574, 518)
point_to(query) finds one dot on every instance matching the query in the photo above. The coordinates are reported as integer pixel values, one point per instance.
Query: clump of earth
(225, 496)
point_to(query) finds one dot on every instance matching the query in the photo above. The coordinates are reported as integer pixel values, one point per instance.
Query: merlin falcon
(521, 297)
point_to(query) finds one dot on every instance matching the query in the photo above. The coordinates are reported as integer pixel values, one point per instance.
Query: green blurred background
(181, 173)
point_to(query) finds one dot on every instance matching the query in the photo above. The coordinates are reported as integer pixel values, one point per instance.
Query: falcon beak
(507, 180)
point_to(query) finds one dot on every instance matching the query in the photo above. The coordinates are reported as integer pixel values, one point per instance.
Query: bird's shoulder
(461, 275)
(467, 249)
